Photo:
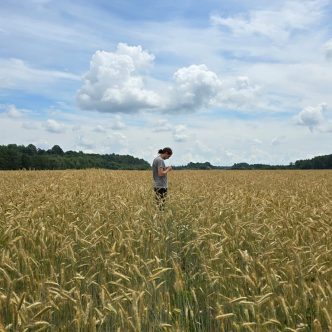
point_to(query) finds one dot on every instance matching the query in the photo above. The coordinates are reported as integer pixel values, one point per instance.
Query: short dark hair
(166, 150)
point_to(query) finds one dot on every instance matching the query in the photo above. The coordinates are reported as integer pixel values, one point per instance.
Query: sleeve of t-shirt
(160, 164)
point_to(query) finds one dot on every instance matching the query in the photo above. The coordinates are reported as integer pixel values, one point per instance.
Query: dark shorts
(161, 193)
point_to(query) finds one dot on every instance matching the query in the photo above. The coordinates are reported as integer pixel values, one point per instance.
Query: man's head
(165, 153)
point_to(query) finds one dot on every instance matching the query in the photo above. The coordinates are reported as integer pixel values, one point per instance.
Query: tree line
(320, 162)
(14, 157)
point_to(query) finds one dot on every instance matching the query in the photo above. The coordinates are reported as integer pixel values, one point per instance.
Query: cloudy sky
(220, 81)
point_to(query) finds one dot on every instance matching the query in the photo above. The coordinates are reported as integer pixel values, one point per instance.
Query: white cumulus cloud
(195, 87)
(311, 116)
(54, 126)
(115, 81)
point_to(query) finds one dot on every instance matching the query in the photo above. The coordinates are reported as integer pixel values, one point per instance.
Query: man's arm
(163, 172)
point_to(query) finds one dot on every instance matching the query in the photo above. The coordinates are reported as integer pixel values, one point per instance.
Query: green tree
(56, 150)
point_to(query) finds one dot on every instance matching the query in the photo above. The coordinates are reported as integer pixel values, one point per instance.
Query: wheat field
(233, 251)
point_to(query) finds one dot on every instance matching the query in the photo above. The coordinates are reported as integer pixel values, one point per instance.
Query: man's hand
(163, 172)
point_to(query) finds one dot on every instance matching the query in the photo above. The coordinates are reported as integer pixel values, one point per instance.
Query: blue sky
(219, 81)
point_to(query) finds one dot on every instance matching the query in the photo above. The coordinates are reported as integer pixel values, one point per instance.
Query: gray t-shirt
(159, 181)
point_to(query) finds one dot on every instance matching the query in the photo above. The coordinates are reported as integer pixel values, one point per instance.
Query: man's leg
(161, 194)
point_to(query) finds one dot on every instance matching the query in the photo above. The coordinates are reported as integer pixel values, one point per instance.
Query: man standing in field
(159, 172)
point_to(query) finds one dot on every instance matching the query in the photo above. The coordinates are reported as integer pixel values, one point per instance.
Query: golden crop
(233, 251)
